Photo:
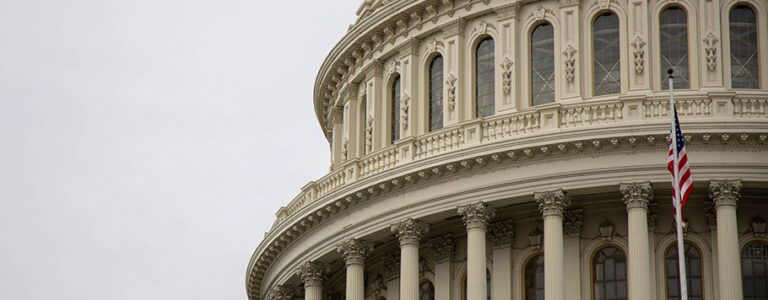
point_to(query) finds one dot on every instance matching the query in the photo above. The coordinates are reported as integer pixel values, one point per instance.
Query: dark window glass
(543, 64)
(692, 270)
(744, 59)
(754, 271)
(673, 39)
(436, 94)
(534, 278)
(395, 120)
(484, 77)
(426, 291)
(609, 274)
(605, 43)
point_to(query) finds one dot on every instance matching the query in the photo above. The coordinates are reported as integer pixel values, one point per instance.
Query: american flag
(685, 182)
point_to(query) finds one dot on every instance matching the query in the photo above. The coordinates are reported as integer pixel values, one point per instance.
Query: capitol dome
(517, 150)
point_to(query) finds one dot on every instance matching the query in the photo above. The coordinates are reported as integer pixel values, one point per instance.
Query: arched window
(673, 40)
(543, 64)
(487, 285)
(754, 271)
(395, 100)
(744, 57)
(484, 79)
(534, 278)
(692, 270)
(609, 274)
(606, 58)
(426, 290)
(436, 94)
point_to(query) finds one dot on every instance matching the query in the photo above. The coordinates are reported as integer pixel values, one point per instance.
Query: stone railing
(439, 142)
(505, 126)
(525, 124)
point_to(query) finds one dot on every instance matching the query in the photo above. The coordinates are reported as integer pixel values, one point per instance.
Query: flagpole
(676, 199)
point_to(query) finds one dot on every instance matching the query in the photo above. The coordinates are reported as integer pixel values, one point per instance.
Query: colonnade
(552, 205)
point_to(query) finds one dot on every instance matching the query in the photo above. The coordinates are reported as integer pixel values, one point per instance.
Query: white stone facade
(572, 179)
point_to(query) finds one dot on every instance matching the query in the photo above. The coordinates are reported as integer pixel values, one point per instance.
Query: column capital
(391, 265)
(502, 233)
(409, 231)
(552, 202)
(354, 251)
(636, 194)
(476, 215)
(282, 292)
(443, 247)
(725, 192)
(312, 273)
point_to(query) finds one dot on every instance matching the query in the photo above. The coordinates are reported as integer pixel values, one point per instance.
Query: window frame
(592, 269)
(555, 76)
(523, 268)
(623, 75)
(475, 85)
(394, 116)
(725, 57)
(741, 254)
(701, 267)
(428, 79)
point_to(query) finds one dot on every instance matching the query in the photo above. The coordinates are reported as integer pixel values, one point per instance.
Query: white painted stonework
(565, 179)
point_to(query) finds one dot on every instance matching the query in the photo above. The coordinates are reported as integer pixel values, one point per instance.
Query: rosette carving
(476, 214)
(443, 247)
(725, 192)
(552, 202)
(313, 273)
(409, 231)
(354, 251)
(636, 194)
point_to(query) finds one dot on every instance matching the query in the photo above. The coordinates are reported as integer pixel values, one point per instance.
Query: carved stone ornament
(570, 62)
(391, 265)
(448, 4)
(404, 107)
(539, 13)
(653, 214)
(313, 273)
(450, 83)
(573, 219)
(282, 292)
(443, 247)
(502, 233)
(354, 251)
(432, 46)
(378, 287)
(638, 45)
(603, 4)
(482, 28)
(423, 267)
(710, 50)
(345, 149)
(606, 231)
(369, 134)
(725, 192)
(409, 231)
(552, 202)
(758, 227)
(506, 75)
(710, 214)
(535, 239)
(476, 214)
(636, 194)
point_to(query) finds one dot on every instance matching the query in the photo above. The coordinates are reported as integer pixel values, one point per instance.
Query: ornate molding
(710, 50)
(454, 28)
(369, 134)
(432, 46)
(725, 192)
(539, 13)
(409, 231)
(565, 3)
(535, 239)
(508, 11)
(450, 83)
(603, 4)
(354, 251)
(638, 51)
(606, 231)
(482, 28)
(282, 292)
(573, 219)
(570, 62)
(476, 215)
(758, 227)
(443, 247)
(313, 273)
(405, 101)
(391, 266)
(636, 194)
(552, 202)
(502, 233)
(506, 75)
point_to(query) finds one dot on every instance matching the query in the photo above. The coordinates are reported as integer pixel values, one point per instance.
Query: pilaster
(710, 56)
(570, 36)
(502, 234)
(443, 248)
(454, 57)
(639, 60)
(507, 16)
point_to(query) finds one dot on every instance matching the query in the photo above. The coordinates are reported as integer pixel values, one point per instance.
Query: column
(354, 251)
(409, 231)
(636, 197)
(725, 194)
(313, 274)
(551, 205)
(282, 292)
(502, 234)
(443, 247)
(476, 217)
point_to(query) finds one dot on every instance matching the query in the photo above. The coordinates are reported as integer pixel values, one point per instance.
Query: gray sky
(145, 145)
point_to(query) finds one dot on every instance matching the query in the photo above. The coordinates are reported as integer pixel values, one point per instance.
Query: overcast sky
(145, 145)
